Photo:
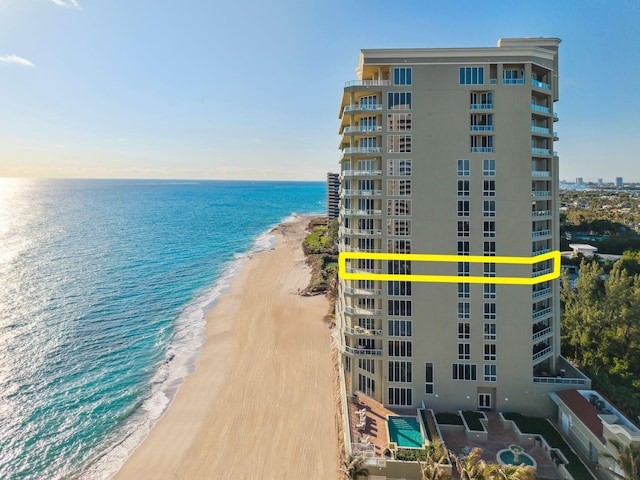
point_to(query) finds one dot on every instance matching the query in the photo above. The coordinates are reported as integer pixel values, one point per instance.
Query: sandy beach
(260, 403)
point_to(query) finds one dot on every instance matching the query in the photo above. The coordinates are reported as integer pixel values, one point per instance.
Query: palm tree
(628, 460)
(472, 466)
(511, 472)
(436, 456)
(353, 467)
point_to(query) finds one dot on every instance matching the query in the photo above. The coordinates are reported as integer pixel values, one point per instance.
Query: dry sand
(259, 404)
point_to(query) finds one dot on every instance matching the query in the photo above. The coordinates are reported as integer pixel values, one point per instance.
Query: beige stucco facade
(450, 151)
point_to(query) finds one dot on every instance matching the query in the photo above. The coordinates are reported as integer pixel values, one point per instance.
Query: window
(369, 100)
(399, 122)
(399, 328)
(489, 168)
(489, 290)
(489, 269)
(464, 371)
(399, 267)
(399, 348)
(490, 373)
(463, 248)
(347, 364)
(463, 188)
(481, 143)
(489, 249)
(399, 100)
(399, 246)
(368, 365)
(471, 75)
(400, 396)
(402, 76)
(463, 208)
(366, 244)
(366, 323)
(463, 228)
(399, 288)
(367, 385)
(464, 351)
(399, 143)
(464, 310)
(481, 100)
(489, 311)
(464, 330)
(399, 308)
(489, 331)
(489, 208)
(490, 351)
(463, 269)
(428, 378)
(464, 290)
(398, 167)
(463, 168)
(399, 227)
(399, 187)
(368, 142)
(489, 229)
(489, 188)
(400, 372)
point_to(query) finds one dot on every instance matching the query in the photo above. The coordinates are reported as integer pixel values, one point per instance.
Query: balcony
(540, 151)
(513, 81)
(560, 380)
(349, 248)
(361, 150)
(361, 193)
(482, 106)
(540, 252)
(555, 117)
(540, 213)
(541, 293)
(541, 233)
(542, 333)
(362, 270)
(539, 273)
(481, 149)
(363, 352)
(482, 128)
(540, 194)
(362, 231)
(539, 84)
(545, 312)
(365, 292)
(534, 107)
(361, 332)
(541, 130)
(362, 173)
(542, 354)
(362, 311)
(361, 129)
(356, 107)
(555, 136)
(367, 83)
(353, 212)
(540, 173)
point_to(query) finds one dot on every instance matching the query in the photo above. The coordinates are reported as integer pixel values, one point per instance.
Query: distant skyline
(251, 90)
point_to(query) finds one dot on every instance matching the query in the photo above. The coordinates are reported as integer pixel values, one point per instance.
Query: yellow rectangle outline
(427, 257)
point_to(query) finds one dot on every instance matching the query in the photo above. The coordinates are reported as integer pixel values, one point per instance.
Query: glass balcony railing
(362, 129)
(542, 130)
(539, 84)
(481, 128)
(539, 273)
(367, 83)
(367, 352)
(513, 81)
(535, 108)
(362, 311)
(481, 149)
(540, 233)
(362, 231)
(363, 291)
(542, 251)
(362, 213)
(361, 193)
(361, 332)
(542, 333)
(541, 213)
(360, 108)
(481, 106)
(541, 293)
(540, 173)
(365, 150)
(542, 353)
(540, 193)
(541, 313)
(361, 173)
(540, 151)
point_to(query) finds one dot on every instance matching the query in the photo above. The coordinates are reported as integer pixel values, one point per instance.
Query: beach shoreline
(262, 379)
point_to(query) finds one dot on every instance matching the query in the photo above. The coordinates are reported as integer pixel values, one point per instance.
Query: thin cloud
(16, 59)
(67, 3)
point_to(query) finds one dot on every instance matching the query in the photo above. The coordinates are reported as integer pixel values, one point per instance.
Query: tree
(511, 472)
(436, 457)
(471, 466)
(353, 467)
(628, 461)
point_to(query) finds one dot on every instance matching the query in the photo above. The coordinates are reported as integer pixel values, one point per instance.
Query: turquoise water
(405, 432)
(103, 290)
(507, 457)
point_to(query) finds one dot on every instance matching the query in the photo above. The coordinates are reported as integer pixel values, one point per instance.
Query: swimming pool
(405, 432)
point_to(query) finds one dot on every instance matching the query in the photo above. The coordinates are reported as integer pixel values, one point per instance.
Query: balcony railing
(539, 273)
(482, 106)
(367, 83)
(362, 231)
(555, 116)
(542, 353)
(362, 311)
(540, 252)
(363, 270)
(361, 193)
(513, 81)
(350, 248)
(555, 135)
(541, 333)
(540, 293)
(354, 150)
(541, 213)
(356, 107)
(540, 151)
(481, 149)
(361, 332)
(361, 213)
(362, 129)
(534, 107)
(362, 173)
(540, 233)
(481, 128)
(362, 291)
(367, 352)
(540, 173)
(542, 130)
(545, 312)
(539, 84)
(560, 380)
(540, 193)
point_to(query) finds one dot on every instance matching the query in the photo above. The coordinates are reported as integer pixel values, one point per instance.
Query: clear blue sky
(251, 89)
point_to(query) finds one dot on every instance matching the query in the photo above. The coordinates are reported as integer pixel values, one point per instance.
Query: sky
(250, 89)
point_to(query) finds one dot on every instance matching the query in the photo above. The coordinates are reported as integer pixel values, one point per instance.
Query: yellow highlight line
(427, 257)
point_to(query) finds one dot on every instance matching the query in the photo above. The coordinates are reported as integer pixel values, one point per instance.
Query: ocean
(104, 285)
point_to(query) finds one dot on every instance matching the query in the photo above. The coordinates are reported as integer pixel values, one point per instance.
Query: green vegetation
(320, 247)
(411, 454)
(543, 427)
(601, 328)
(446, 418)
(473, 420)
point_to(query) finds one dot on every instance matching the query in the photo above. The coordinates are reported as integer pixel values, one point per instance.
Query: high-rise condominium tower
(450, 151)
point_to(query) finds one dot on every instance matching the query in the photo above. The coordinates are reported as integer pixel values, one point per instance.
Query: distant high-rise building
(333, 195)
(619, 182)
(599, 181)
(579, 181)
(450, 151)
